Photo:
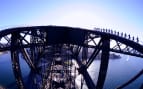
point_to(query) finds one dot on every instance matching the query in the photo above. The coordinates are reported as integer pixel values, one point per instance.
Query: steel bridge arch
(14, 38)
(126, 41)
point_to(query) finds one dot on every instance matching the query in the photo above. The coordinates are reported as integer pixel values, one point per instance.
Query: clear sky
(119, 15)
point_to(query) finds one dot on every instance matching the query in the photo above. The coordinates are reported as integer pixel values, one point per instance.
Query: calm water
(119, 71)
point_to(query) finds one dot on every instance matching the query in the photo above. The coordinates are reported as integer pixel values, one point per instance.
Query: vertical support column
(84, 59)
(32, 40)
(84, 55)
(33, 49)
(85, 51)
(15, 60)
(104, 62)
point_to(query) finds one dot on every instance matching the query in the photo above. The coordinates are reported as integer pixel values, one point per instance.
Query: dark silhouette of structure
(50, 51)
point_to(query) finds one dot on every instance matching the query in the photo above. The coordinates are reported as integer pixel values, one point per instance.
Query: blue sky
(120, 15)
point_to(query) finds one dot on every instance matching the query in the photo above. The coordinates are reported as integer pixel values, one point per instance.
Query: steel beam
(131, 80)
(15, 60)
(104, 62)
(89, 82)
(28, 59)
(83, 70)
(94, 54)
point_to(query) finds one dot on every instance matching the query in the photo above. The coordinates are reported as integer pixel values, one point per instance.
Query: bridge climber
(57, 54)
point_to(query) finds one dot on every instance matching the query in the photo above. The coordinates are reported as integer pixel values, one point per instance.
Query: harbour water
(119, 71)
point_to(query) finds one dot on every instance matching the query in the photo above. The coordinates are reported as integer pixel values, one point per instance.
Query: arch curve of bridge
(73, 33)
(65, 35)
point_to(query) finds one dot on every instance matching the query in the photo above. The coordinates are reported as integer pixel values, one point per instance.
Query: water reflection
(119, 71)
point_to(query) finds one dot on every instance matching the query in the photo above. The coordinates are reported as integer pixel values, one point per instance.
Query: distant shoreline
(112, 56)
(3, 52)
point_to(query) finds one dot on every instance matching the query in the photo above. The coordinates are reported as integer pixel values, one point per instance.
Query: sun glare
(78, 19)
(83, 16)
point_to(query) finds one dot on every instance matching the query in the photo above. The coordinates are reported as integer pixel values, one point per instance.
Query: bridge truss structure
(52, 53)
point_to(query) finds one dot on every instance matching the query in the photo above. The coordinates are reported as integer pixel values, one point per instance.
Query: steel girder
(88, 43)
